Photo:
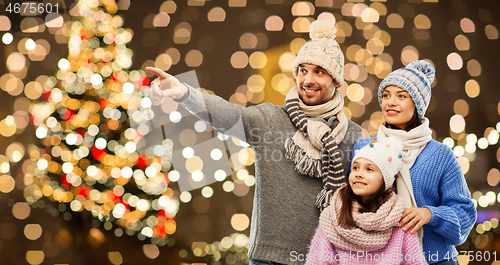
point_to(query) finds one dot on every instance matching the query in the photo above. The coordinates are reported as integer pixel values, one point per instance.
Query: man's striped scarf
(314, 147)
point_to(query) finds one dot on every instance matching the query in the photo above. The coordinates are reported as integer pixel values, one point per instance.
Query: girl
(442, 204)
(360, 225)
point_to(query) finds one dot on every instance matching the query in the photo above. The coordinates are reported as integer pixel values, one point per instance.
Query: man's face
(316, 86)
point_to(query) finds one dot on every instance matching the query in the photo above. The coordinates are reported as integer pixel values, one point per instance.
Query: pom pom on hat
(416, 79)
(383, 154)
(322, 29)
(425, 68)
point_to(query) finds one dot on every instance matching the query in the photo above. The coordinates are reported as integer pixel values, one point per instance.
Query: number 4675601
(32, 8)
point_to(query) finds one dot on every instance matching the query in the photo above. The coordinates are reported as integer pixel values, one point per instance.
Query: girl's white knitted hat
(387, 154)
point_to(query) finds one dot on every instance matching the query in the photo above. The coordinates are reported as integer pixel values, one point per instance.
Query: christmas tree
(88, 160)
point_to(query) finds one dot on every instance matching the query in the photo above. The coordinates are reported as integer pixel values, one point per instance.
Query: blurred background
(88, 174)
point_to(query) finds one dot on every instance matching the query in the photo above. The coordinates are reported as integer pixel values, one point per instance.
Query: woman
(441, 203)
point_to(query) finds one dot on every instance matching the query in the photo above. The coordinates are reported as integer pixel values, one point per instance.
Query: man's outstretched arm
(243, 123)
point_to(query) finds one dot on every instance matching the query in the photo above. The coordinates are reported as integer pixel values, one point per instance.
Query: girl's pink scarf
(374, 229)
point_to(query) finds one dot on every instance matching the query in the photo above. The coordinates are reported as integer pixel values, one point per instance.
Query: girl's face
(397, 106)
(365, 178)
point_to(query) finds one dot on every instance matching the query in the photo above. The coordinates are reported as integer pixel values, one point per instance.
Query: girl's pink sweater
(402, 248)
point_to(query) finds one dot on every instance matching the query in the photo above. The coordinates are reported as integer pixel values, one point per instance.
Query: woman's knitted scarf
(414, 142)
(314, 147)
(374, 229)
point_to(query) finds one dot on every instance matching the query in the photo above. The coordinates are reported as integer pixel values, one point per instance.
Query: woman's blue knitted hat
(416, 79)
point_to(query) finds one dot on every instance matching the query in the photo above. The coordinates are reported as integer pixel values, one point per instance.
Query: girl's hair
(413, 123)
(347, 196)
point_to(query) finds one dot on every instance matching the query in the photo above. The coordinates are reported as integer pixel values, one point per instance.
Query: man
(308, 139)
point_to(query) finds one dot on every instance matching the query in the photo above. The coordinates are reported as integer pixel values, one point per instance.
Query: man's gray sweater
(284, 216)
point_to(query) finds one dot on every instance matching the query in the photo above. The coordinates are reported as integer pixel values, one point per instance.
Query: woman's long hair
(347, 197)
(413, 123)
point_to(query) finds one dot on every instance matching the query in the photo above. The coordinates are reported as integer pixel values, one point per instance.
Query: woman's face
(365, 178)
(397, 106)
